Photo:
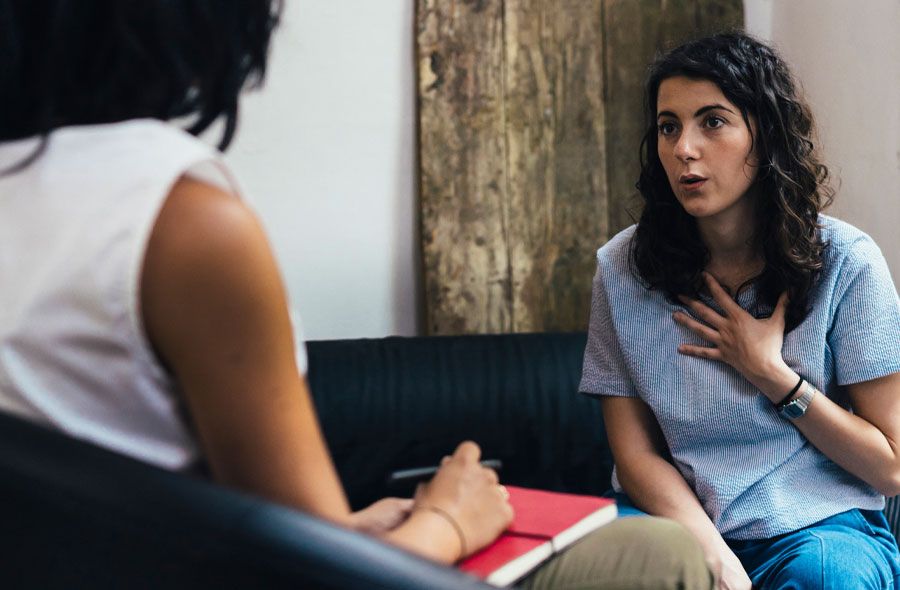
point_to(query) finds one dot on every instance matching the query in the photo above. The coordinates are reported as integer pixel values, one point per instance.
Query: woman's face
(705, 148)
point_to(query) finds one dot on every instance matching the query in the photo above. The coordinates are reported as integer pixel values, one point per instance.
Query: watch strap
(796, 408)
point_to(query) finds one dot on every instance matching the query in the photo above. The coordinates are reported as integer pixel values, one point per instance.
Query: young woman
(747, 347)
(142, 308)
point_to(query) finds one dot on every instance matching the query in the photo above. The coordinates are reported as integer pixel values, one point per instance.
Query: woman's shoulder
(142, 157)
(130, 137)
(844, 240)
(851, 253)
(616, 252)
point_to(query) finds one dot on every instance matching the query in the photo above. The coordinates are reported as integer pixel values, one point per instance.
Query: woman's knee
(832, 560)
(663, 546)
(641, 553)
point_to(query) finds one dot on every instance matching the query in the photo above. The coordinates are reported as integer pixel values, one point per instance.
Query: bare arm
(215, 310)
(656, 486)
(864, 443)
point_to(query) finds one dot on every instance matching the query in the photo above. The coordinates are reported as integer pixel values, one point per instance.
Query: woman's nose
(688, 146)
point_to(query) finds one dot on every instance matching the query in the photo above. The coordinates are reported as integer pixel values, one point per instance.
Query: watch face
(794, 409)
(798, 407)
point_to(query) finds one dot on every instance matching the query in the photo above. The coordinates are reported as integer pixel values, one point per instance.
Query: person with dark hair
(746, 347)
(142, 308)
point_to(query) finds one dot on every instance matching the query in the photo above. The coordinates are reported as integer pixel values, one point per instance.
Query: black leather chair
(74, 515)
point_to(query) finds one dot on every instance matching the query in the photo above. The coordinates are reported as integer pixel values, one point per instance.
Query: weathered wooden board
(463, 166)
(635, 32)
(530, 118)
(555, 132)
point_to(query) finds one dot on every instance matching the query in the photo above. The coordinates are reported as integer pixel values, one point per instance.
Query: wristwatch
(797, 407)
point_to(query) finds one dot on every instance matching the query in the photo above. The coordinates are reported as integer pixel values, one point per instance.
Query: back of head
(84, 62)
(791, 182)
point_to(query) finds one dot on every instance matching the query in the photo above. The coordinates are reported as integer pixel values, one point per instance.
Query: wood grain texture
(555, 130)
(636, 32)
(463, 166)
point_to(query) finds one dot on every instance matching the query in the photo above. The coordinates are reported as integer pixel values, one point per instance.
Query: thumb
(781, 306)
(467, 452)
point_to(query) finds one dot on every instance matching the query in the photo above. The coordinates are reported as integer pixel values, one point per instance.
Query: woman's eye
(666, 128)
(715, 122)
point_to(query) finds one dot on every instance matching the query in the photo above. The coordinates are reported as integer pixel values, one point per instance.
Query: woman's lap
(848, 551)
(628, 554)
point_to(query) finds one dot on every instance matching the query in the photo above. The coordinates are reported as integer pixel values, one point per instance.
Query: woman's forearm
(859, 442)
(854, 443)
(656, 487)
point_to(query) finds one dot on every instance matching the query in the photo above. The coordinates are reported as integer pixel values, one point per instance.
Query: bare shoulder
(208, 274)
(200, 221)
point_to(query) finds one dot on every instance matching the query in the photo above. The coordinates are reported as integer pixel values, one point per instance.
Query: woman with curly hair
(746, 348)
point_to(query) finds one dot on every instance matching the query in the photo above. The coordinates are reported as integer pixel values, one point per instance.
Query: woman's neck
(734, 256)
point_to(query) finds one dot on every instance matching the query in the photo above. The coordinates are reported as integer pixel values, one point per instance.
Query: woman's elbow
(889, 483)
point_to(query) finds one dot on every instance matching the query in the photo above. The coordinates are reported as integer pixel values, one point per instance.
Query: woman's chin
(695, 207)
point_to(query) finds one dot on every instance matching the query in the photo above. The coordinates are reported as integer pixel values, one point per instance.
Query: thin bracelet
(788, 397)
(459, 532)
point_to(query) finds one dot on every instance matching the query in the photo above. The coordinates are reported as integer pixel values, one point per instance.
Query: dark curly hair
(84, 62)
(791, 183)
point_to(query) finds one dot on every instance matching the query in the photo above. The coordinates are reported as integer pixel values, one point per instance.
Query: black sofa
(77, 516)
(391, 403)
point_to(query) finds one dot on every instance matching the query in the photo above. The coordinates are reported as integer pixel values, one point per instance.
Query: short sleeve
(604, 372)
(865, 333)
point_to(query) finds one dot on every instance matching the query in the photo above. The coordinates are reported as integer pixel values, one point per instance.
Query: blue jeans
(848, 551)
(853, 550)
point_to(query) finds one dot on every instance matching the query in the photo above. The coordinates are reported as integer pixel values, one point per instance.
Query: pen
(418, 474)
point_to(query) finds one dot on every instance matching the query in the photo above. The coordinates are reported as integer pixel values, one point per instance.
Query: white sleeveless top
(74, 227)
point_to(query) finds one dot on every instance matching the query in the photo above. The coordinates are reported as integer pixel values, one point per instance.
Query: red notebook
(545, 523)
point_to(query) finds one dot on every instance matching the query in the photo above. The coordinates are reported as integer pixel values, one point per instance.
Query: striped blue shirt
(754, 473)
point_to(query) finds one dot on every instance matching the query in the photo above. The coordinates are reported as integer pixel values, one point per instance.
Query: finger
(703, 352)
(728, 305)
(405, 504)
(503, 492)
(420, 491)
(467, 452)
(696, 327)
(491, 476)
(703, 311)
(445, 460)
(781, 306)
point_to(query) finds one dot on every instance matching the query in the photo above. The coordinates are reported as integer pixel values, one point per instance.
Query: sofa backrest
(77, 516)
(393, 403)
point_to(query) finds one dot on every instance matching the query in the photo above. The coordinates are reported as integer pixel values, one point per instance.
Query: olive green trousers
(633, 553)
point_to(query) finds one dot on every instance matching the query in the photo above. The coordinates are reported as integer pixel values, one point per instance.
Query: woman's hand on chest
(752, 346)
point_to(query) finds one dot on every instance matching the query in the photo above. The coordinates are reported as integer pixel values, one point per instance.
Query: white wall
(846, 54)
(327, 149)
(326, 153)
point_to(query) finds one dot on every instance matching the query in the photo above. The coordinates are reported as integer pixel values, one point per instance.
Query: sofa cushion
(394, 403)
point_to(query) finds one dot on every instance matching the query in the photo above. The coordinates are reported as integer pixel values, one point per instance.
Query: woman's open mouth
(691, 182)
